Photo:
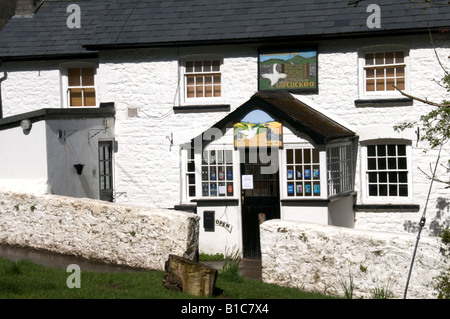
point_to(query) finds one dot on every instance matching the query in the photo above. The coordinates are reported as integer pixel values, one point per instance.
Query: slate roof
(109, 24)
(285, 107)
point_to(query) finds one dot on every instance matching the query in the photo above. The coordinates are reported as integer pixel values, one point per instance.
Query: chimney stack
(26, 7)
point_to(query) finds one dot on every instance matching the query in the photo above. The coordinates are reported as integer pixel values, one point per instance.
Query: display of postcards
(307, 173)
(290, 174)
(316, 189)
(290, 189)
(308, 189)
(204, 173)
(229, 174)
(213, 189)
(205, 189)
(221, 175)
(299, 189)
(213, 174)
(230, 189)
(299, 174)
(316, 173)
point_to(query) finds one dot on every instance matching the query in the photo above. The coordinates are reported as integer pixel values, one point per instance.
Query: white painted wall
(31, 86)
(221, 240)
(23, 159)
(78, 144)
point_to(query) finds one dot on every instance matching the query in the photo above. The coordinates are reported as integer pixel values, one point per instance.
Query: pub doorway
(260, 197)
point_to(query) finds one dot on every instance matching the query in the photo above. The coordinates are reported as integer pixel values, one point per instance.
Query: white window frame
(184, 152)
(364, 174)
(183, 84)
(65, 82)
(284, 170)
(236, 173)
(345, 173)
(363, 94)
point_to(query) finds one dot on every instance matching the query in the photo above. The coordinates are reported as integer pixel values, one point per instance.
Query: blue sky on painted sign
(267, 56)
(257, 117)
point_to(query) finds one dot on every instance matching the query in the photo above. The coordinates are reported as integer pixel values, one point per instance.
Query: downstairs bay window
(340, 168)
(317, 173)
(217, 174)
(303, 173)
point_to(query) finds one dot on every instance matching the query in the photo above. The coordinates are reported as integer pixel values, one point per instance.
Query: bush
(443, 280)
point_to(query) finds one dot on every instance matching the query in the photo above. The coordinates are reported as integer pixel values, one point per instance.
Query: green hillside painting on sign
(288, 70)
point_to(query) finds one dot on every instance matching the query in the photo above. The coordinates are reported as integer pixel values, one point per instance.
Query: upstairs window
(203, 79)
(383, 71)
(81, 87)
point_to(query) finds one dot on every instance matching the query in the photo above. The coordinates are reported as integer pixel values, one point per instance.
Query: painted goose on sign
(275, 76)
(250, 132)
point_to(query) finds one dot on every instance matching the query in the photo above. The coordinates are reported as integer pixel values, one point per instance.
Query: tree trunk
(189, 276)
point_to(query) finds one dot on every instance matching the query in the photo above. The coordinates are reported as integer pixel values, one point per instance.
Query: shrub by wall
(120, 234)
(337, 260)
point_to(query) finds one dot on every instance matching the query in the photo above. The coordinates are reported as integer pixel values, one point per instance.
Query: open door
(105, 170)
(260, 200)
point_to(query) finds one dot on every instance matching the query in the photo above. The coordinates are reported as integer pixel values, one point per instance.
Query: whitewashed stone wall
(322, 258)
(119, 234)
(148, 166)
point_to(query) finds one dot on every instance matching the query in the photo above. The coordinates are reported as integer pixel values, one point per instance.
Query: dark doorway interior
(260, 203)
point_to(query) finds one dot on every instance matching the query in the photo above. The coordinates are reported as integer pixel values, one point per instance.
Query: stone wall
(119, 234)
(326, 259)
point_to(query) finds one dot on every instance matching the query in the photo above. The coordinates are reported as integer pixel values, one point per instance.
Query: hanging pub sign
(258, 129)
(264, 134)
(289, 70)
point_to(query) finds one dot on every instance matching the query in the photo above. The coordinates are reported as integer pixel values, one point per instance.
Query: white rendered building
(239, 112)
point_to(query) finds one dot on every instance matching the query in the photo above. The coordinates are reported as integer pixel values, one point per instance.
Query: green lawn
(25, 280)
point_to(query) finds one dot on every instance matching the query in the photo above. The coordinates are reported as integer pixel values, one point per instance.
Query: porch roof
(285, 107)
(56, 114)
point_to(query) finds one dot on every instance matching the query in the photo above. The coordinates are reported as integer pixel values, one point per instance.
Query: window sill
(186, 207)
(394, 101)
(202, 108)
(305, 202)
(216, 200)
(381, 208)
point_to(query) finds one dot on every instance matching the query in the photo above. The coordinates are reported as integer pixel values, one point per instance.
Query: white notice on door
(247, 181)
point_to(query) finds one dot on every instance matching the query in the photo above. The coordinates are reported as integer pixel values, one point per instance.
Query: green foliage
(435, 126)
(209, 257)
(435, 129)
(230, 268)
(443, 280)
(348, 288)
(383, 292)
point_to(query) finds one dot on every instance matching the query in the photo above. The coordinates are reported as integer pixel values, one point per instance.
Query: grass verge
(26, 280)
